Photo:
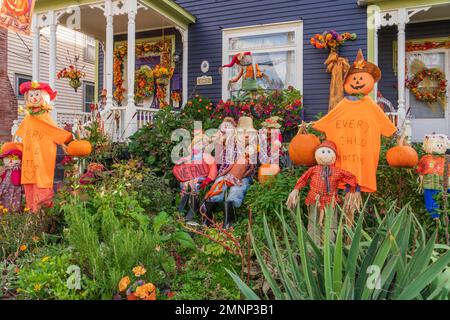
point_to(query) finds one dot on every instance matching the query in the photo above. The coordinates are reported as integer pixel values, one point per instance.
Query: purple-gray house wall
(205, 37)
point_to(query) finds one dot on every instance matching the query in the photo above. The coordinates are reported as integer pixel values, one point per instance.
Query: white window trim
(16, 83)
(85, 84)
(292, 26)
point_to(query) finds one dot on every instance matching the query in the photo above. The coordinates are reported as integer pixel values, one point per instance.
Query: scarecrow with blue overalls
(431, 171)
(234, 178)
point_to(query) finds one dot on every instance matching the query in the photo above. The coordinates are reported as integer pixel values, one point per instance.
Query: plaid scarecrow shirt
(325, 181)
(431, 167)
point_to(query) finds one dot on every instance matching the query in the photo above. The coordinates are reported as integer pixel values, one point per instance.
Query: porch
(399, 38)
(117, 27)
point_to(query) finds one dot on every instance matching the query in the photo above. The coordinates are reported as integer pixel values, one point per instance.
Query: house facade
(197, 37)
(74, 48)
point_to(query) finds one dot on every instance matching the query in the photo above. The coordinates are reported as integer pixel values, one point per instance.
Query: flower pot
(163, 81)
(75, 84)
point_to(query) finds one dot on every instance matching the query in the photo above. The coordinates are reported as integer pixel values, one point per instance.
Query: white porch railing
(144, 116)
(73, 118)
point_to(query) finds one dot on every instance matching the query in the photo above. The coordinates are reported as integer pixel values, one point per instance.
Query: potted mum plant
(135, 287)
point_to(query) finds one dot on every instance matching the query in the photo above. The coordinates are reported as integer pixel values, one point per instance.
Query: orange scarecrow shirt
(356, 128)
(40, 135)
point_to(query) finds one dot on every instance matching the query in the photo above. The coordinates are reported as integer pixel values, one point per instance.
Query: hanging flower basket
(73, 74)
(75, 84)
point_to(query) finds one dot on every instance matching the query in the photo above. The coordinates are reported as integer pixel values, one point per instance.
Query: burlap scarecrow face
(361, 77)
(435, 143)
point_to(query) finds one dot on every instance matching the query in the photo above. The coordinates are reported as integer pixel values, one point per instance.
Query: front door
(426, 118)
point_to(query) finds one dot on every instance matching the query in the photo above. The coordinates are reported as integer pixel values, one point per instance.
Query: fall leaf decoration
(428, 85)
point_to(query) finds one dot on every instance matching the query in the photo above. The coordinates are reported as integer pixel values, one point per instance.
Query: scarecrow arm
(303, 181)
(239, 76)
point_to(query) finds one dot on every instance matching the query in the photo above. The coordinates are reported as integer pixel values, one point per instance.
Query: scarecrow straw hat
(361, 65)
(272, 123)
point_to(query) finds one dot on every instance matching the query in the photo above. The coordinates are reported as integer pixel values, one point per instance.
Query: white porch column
(36, 47)
(109, 59)
(401, 51)
(130, 113)
(52, 20)
(185, 75)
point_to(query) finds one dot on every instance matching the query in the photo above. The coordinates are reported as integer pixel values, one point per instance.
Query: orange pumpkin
(302, 147)
(359, 83)
(11, 146)
(402, 155)
(79, 148)
(268, 172)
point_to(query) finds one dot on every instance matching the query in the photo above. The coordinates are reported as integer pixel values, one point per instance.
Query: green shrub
(52, 275)
(111, 233)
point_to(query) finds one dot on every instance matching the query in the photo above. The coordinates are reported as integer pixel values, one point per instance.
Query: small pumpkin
(359, 83)
(268, 172)
(402, 155)
(79, 148)
(302, 147)
(7, 146)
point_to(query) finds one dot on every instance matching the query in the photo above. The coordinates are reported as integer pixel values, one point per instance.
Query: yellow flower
(139, 271)
(23, 247)
(20, 110)
(123, 284)
(5, 210)
(45, 258)
(37, 287)
(26, 209)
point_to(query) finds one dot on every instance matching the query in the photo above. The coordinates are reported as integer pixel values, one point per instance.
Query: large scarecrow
(40, 135)
(357, 123)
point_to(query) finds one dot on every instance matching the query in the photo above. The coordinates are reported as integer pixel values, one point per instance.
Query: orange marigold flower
(23, 247)
(139, 271)
(124, 283)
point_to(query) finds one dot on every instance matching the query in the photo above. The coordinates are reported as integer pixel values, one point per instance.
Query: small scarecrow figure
(431, 170)
(248, 70)
(194, 173)
(324, 179)
(10, 187)
(270, 145)
(234, 178)
(40, 135)
(224, 141)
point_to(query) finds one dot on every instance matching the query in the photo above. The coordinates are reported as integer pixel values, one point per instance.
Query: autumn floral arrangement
(119, 55)
(286, 104)
(144, 83)
(331, 39)
(135, 288)
(73, 74)
(428, 85)
(162, 75)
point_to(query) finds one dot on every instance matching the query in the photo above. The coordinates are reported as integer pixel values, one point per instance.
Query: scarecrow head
(326, 153)
(228, 123)
(243, 59)
(361, 76)
(37, 96)
(435, 143)
(11, 158)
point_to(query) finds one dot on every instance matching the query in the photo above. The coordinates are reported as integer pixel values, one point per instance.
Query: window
(19, 79)
(89, 50)
(88, 95)
(276, 49)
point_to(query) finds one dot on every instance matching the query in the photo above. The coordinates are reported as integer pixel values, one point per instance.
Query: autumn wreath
(429, 93)
(144, 83)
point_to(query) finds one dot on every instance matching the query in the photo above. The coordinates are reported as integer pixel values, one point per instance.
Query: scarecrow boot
(193, 208)
(183, 202)
(209, 213)
(228, 214)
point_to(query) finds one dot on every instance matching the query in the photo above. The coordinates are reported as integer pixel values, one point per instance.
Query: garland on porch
(141, 49)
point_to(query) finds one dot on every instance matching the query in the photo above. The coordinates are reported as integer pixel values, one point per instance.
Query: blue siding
(386, 36)
(205, 37)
